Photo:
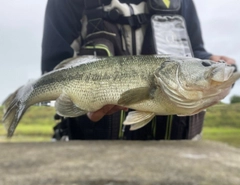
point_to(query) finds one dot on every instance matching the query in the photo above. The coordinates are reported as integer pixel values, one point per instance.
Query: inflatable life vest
(133, 27)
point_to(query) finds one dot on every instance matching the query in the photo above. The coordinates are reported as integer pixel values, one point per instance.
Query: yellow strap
(167, 3)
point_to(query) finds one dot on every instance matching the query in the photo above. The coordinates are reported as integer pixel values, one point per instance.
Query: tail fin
(14, 107)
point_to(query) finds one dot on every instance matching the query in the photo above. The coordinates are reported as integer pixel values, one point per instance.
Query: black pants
(109, 128)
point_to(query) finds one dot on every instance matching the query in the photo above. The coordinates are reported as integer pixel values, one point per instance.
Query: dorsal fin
(75, 61)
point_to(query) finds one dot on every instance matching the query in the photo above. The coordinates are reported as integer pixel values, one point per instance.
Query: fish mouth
(222, 72)
(223, 76)
(227, 83)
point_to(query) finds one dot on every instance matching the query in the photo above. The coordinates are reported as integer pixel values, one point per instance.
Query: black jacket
(62, 26)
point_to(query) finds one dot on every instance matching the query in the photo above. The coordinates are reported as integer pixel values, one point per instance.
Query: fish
(149, 85)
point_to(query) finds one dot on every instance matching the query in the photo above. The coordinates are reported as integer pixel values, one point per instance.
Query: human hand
(105, 110)
(228, 60)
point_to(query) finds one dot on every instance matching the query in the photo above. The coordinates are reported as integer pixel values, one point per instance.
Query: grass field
(224, 134)
(222, 123)
(36, 125)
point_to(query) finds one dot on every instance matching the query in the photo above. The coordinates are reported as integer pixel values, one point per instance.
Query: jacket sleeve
(188, 11)
(61, 27)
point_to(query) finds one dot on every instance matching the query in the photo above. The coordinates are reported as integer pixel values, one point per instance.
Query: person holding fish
(119, 28)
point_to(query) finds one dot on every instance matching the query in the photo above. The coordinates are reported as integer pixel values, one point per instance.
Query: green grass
(25, 138)
(36, 125)
(227, 135)
(223, 115)
(222, 123)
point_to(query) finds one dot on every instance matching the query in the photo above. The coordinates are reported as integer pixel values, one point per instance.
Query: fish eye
(206, 64)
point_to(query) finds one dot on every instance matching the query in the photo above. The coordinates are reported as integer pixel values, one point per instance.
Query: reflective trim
(100, 46)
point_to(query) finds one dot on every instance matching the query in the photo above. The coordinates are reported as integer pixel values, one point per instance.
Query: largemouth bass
(151, 85)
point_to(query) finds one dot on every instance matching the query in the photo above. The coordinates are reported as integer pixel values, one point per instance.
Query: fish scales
(152, 85)
(102, 79)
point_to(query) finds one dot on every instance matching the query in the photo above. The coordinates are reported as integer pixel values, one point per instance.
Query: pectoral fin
(135, 95)
(65, 107)
(138, 119)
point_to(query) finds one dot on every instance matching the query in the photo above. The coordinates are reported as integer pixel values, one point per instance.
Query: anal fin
(138, 119)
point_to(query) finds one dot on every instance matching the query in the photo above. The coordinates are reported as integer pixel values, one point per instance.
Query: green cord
(122, 118)
(154, 125)
(169, 127)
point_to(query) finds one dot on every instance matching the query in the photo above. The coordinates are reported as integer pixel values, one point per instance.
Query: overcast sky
(21, 28)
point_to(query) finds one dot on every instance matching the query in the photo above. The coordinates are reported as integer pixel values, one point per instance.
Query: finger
(116, 109)
(228, 60)
(217, 58)
(97, 115)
